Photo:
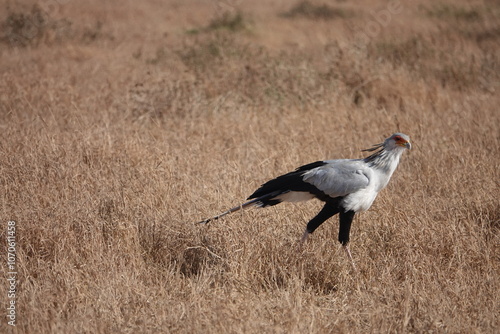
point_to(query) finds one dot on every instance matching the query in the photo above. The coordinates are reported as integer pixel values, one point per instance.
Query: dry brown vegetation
(125, 122)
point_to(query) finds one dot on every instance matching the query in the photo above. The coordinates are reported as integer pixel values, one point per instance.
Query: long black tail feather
(266, 195)
(259, 202)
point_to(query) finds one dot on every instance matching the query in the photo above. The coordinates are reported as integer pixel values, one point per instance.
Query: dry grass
(121, 127)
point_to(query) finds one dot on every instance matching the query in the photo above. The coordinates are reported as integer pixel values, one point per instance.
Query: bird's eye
(397, 138)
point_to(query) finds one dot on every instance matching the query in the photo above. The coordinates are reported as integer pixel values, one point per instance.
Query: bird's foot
(302, 241)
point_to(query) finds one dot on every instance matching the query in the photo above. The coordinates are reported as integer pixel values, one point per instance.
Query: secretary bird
(347, 186)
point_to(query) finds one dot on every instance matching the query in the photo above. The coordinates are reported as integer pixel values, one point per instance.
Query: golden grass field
(123, 123)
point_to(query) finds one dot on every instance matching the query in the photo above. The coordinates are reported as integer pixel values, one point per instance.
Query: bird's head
(397, 140)
(387, 154)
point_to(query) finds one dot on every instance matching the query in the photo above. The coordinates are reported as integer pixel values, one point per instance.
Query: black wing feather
(288, 182)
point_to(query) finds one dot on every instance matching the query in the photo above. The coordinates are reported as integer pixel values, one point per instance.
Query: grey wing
(339, 177)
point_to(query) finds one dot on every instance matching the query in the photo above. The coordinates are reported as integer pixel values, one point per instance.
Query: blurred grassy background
(123, 123)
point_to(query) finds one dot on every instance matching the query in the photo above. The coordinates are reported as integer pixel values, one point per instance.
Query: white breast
(360, 200)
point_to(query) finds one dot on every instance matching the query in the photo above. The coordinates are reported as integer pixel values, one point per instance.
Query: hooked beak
(405, 144)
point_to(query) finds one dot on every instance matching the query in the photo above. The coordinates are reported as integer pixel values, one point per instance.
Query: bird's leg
(348, 253)
(344, 231)
(325, 213)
